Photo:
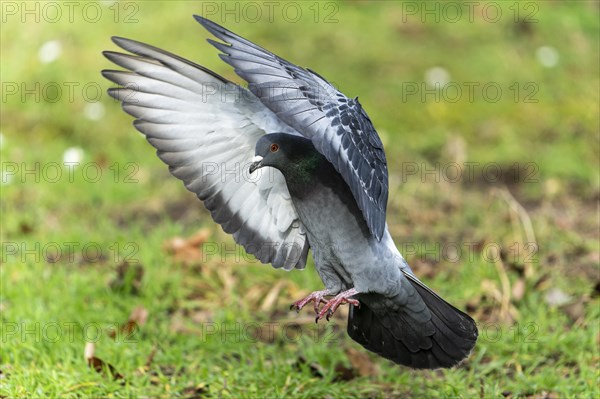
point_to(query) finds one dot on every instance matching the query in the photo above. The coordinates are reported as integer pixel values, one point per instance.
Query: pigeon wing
(337, 125)
(205, 129)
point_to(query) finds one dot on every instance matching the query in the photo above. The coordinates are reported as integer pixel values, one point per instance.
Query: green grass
(204, 315)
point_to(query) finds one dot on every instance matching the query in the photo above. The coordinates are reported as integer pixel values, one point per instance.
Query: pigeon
(287, 165)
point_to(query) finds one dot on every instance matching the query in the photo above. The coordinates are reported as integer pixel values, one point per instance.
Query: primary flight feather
(287, 165)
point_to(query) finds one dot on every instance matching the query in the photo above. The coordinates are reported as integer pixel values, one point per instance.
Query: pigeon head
(294, 156)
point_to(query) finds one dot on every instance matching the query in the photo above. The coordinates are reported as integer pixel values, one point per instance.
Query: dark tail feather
(447, 335)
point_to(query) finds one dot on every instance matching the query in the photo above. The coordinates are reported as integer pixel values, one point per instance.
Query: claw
(331, 306)
(316, 297)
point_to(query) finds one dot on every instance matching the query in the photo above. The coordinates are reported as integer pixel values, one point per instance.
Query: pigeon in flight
(287, 165)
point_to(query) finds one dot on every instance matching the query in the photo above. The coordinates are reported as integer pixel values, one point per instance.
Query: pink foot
(317, 297)
(331, 306)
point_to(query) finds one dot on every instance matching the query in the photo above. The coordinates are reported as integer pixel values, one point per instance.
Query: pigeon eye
(274, 147)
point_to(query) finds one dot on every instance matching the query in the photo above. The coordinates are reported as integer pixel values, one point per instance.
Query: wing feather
(205, 128)
(307, 102)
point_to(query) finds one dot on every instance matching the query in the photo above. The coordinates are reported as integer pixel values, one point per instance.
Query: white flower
(73, 155)
(437, 77)
(50, 51)
(547, 56)
(94, 111)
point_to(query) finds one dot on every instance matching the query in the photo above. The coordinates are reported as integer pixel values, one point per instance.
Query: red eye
(274, 147)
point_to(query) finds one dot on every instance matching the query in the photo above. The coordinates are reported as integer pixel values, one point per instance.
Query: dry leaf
(187, 250)
(139, 315)
(343, 373)
(98, 364)
(518, 290)
(137, 318)
(196, 392)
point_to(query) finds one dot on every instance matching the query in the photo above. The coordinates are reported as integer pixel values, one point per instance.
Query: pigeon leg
(317, 297)
(335, 302)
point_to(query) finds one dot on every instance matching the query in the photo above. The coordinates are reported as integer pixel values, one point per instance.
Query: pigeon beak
(256, 163)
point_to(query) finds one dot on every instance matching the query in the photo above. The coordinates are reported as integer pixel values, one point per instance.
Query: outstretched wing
(338, 126)
(205, 128)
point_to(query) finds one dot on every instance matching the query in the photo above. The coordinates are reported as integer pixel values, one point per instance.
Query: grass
(80, 253)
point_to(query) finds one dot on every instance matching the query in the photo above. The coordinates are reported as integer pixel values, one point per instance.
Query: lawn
(115, 282)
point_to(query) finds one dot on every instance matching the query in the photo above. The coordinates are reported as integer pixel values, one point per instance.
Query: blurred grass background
(516, 246)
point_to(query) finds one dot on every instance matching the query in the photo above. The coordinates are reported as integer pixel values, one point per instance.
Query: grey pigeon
(287, 165)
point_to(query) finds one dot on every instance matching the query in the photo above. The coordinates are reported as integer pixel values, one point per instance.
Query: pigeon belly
(346, 254)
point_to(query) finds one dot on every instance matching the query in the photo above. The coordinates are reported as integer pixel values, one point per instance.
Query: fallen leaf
(137, 318)
(25, 228)
(187, 250)
(344, 373)
(518, 290)
(196, 392)
(98, 364)
(139, 315)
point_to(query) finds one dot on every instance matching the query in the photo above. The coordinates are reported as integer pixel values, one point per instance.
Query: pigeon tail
(400, 334)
